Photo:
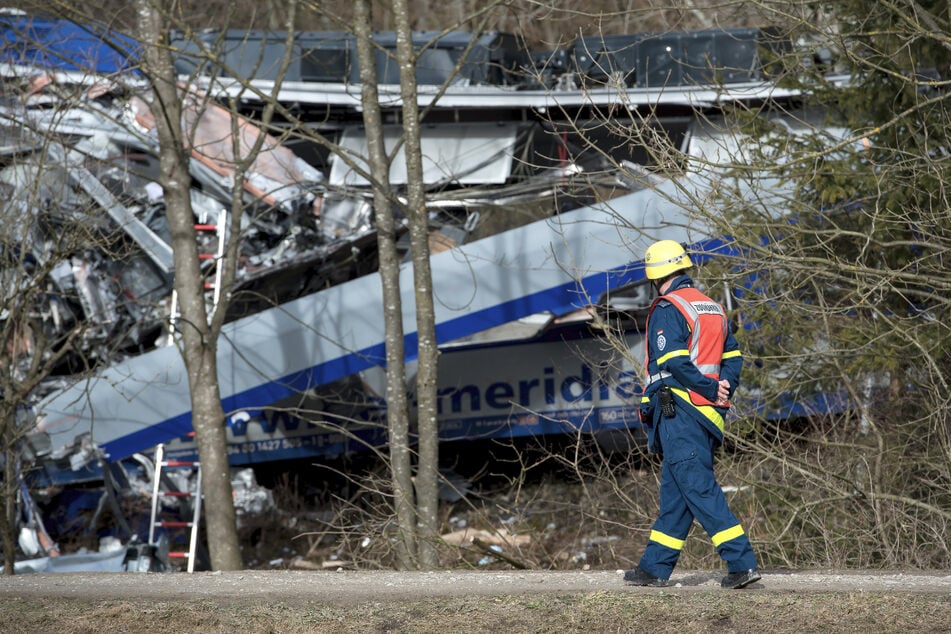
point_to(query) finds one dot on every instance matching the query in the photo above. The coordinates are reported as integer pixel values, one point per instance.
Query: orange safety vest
(709, 329)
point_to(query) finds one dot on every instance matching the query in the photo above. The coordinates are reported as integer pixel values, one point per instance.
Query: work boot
(640, 577)
(741, 579)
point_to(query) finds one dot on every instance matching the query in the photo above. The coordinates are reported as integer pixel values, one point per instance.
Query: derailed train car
(518, 302)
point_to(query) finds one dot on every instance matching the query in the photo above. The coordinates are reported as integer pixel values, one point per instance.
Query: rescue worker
(693, 367)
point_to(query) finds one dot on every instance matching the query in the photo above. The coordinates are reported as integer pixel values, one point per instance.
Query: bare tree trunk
(397, 415)
(199, 346)
(427, 471)
(8, 528)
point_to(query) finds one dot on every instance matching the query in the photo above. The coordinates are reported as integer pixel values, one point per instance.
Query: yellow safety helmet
(665, 257)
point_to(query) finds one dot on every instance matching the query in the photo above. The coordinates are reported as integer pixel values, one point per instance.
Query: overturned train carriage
(534, 240)
(542, 193)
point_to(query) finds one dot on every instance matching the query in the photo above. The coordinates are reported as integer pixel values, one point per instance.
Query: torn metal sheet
(77, 156)
(274, 174)
(157, 249)
(274, 178)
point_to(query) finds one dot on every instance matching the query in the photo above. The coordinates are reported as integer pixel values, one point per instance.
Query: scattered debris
(499, 537)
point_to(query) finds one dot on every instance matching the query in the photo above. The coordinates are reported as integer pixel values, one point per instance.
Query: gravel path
(357, 586)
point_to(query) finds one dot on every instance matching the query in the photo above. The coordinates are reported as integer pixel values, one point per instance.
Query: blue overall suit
(688, 487)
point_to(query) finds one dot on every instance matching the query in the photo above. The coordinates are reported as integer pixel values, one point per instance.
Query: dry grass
(592, 612)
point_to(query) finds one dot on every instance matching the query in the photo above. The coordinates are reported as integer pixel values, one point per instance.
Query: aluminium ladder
(160, 465)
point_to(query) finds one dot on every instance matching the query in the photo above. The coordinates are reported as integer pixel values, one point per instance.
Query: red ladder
(160, 465)
(219, 229)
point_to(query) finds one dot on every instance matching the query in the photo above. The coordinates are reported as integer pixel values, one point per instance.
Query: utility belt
(696, 398)
(668, 406)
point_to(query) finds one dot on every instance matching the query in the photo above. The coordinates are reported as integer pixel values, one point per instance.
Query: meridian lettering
(531, 393)
(527, 393)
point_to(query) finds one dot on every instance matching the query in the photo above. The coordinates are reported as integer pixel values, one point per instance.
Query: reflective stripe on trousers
(688, 491)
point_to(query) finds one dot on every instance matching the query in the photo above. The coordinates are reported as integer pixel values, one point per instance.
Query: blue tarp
(65, 46)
